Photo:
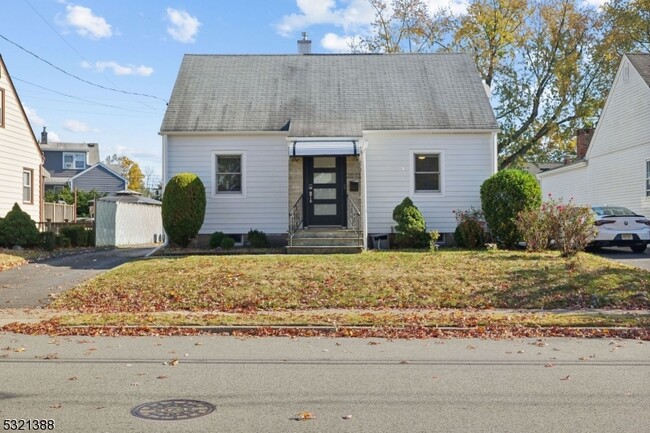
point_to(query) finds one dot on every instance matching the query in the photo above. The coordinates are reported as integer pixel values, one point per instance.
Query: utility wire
(78, 98)
(79, 78)
(71, 47)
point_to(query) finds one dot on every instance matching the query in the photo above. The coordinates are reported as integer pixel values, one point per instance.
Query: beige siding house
(311, 148)
(21, 163)
(616, 168)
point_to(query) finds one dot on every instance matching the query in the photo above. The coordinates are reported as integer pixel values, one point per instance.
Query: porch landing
(325, 241)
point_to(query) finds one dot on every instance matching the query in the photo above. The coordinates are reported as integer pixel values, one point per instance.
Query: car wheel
(639, 248)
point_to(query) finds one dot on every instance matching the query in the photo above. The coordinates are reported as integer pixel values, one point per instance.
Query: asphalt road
(33, 285)
(258, 385)
(625, 255)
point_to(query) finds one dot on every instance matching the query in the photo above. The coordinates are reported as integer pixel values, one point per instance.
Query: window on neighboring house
(228, 174)
(28, 182)
(2, 108)
(75, 161)
(647, 177)
(426, 172)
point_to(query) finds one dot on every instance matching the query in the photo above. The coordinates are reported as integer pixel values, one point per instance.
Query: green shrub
(47, 241)
(227, 243)
(470, 231)
(411, 229)
(90, 238)
(18, 228)
(257, 239)
(65, 242)
(183, 208)
(216, 238)
(2, 240)
(433, 238)
(503, 196)
(76, 234)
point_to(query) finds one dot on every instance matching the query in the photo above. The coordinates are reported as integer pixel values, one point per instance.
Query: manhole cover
(173, 410)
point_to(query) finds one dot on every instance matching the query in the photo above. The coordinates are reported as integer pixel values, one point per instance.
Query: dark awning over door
(322, 148)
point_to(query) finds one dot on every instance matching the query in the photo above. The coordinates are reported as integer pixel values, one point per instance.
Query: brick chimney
(44, 136)
(583, 138)
(304, 45)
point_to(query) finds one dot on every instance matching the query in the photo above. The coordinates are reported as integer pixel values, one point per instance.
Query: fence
(56, 227)
(59, 212)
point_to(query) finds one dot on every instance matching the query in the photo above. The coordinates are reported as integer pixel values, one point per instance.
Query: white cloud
(75, 126)
(595, 3)
(184, 26)
(143, 71)
(34, 118)
(338, 44)
(353, 14)
(86, 23)
(53, 137)
(457, 7)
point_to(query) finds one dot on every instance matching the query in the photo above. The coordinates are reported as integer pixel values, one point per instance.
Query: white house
(21, 161)
(616, 168)
(296, 144)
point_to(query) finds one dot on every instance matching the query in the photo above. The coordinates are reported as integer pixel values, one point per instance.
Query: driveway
(624, 255)
(33, 285)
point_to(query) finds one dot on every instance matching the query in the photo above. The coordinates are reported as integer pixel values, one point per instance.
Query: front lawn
(373, 280)
(10, 259)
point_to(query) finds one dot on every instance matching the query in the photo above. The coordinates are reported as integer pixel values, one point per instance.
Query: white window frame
(227, 194)
(441, 171)
(76, 157)
(30, 176)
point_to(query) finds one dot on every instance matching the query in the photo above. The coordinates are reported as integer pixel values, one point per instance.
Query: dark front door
(325, 194)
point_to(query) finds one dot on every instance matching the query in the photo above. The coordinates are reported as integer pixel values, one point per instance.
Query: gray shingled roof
(641, 63)
(91, 148)
(327, 95)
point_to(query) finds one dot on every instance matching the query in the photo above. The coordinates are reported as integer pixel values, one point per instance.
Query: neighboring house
(77, 165)
(287, 142)
(21, 161)
(616, 167)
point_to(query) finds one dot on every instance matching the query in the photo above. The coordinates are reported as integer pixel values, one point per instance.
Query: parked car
(620, 227)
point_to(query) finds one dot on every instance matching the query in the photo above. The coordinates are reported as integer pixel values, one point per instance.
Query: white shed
(127, 219)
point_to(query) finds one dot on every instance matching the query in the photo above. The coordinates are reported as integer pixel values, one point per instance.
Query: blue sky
(136, 46)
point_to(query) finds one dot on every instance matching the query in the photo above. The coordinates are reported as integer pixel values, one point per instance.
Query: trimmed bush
(76, 234)
(503, 196)
(90, 238)
(18, 228)
(216, 238)
(47, 241)
(258, 239)
(183, 208)
(470, 231)
(227, 243)
(411, 229)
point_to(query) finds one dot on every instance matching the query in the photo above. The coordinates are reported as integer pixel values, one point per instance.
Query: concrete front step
(325, 233)
(325, 242)
(324, 250)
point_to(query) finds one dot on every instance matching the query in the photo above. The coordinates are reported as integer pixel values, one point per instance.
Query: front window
(427, 172)
(75, 161)
(28, 177)
(228, 174)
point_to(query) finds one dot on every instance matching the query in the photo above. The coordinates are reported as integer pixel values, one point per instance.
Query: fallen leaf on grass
(304, 416)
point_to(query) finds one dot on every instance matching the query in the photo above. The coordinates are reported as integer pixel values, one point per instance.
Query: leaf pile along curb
(54, 327)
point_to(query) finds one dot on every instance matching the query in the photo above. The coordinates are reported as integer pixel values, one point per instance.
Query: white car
(620, 227)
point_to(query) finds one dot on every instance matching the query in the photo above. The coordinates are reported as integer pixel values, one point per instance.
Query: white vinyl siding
(466, 161)
(19, 152)
(616, 171)
(265, 179)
